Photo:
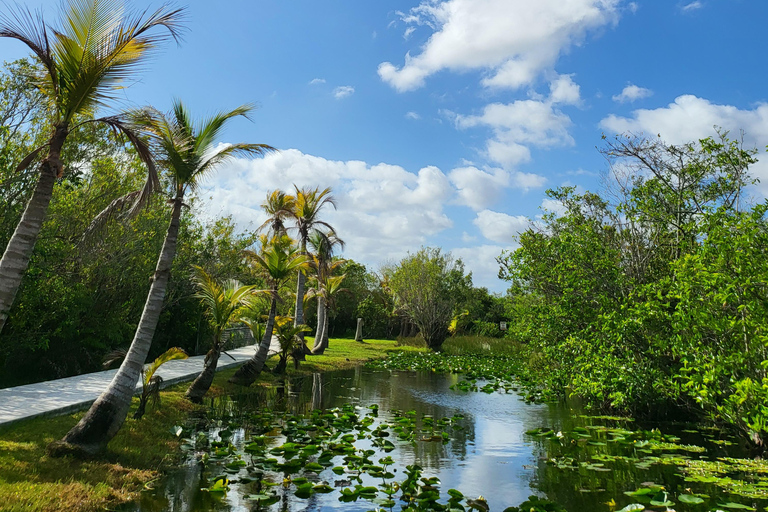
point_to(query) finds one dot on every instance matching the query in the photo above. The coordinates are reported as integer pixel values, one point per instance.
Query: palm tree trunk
(107, 414)
(246, 374)
(202, 383)
(298, 315)
(318, 347)
(19, 249)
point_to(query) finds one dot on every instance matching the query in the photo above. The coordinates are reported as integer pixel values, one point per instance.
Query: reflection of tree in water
(578, 490)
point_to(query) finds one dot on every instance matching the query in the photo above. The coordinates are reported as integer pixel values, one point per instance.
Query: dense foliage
(653, 294)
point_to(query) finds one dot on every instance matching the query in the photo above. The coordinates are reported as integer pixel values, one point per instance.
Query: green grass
(142, 450)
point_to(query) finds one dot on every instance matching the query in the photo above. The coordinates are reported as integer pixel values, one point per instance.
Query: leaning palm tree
(279, 259)
(223, 303)
(280, 207)
(84, 60)
(186, 151)
(309, 202)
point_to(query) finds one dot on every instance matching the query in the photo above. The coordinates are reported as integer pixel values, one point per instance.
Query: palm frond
(115, 209)
(29, 27)
(168, 355)
(100, 45)
(30, 158)
(221, 156)
(114, 356)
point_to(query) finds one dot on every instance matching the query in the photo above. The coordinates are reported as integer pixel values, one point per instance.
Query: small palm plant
(151, 383)
(288, 336)
(224, 302)
(151, 389)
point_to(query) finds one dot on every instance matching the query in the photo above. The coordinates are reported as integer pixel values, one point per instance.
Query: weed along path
(63, 396)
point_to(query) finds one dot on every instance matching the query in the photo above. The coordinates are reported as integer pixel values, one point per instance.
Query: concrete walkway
(62, 396)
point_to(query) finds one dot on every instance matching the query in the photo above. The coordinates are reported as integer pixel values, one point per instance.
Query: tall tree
(309, 203)
(280, 207)
(279, 259)
(330, 289)
(323, 265)
(85, 58)
(185, 151)
(425, 285)
(223, 302)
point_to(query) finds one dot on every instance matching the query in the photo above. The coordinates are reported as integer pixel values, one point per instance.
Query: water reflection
(490, 455)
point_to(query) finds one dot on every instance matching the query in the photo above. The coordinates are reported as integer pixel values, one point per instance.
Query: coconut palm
(309, 202)
(186, 151)
(327, 292)
(280, 207)
(323, 265)
(279, 259)
(151, 383)
(150, 390)
(288, 336)
(223, 303)
(85, 58)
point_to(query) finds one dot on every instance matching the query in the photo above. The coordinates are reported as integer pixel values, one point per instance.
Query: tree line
(650, 296)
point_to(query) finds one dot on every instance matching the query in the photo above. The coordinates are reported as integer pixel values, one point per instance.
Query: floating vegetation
(485, 373)
(287, 453)
(599, 448)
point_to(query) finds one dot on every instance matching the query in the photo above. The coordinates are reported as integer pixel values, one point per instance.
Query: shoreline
(142, 451)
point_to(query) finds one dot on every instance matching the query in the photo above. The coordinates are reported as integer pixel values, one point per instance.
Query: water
(490, 455)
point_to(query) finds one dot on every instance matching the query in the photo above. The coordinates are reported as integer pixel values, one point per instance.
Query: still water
(488, 453)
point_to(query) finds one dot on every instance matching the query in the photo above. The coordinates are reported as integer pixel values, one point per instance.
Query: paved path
(62, 396)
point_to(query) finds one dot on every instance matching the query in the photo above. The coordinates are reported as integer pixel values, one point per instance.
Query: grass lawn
(30, 480)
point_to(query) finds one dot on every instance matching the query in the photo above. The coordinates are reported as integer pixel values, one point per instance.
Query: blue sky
(442, 122)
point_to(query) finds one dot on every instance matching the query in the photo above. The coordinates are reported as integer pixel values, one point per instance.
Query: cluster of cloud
(512, 41)
(340, 92)
(521, 124)
(692, 118)
(383, 210)
(632, 93)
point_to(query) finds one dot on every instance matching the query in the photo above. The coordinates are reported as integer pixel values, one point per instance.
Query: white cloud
(481, 261)
(564, 90)
(631, 93)
(412, 115)
(500, 227)
(383, 210)
(343, 91)
(518, 125)
(691, 118)
(692, 6)
(317, 81)
(478, 189)
(549, 205)
(513, 40)
(408, 32)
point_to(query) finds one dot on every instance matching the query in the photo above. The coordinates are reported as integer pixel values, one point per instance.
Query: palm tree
(327, 292)
(151, 383)
(309, 202)
(322, 262)
(150, 389)
(279, 259)
(288, 336)
(280, 207)
(223, 302)
(186, 152)
(85, 58)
